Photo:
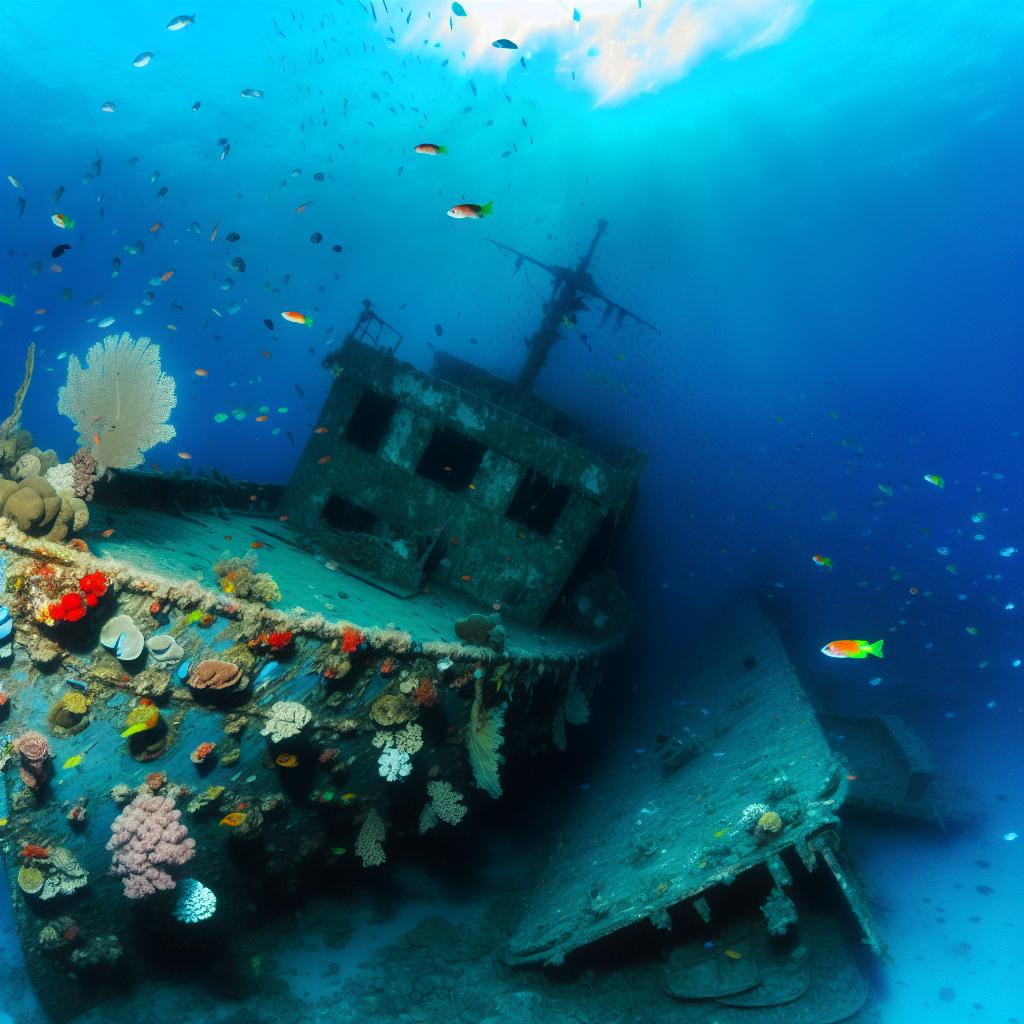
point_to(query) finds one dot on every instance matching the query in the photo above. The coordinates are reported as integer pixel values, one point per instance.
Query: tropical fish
(59, 251)
(178, 23)
(106, 321)
(200, 372)
(853, 649)
(15, 183)
(253, 94)
(324, 460)
(294, 317)
(62, 220)
(471, 211)
(504, 44)
(885, 489)
(184, 455)
(7, 300)
(822, 560)
(458, 10)
(72, 762)
(108, 108)
(431, 149)
(136, 728)
(196, 106)
(935, 480)
(143, 59)
(286, 760)
(233, 820)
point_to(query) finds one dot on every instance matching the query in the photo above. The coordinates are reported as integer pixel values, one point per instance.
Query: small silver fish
(253, 94)
(180, 22)
(143, 59)
(106, 321)
(15, 183)
(108, 108)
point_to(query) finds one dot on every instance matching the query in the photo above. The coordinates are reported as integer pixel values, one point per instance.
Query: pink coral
(85, 473)
(148, 838)
(34, 752)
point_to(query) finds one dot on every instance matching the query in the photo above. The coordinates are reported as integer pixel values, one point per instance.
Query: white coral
(61, 477)
(196, 902)
(120, 402)
(286, 718)
(394, 764)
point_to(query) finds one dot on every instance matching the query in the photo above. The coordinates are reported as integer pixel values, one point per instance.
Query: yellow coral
(75, 703)
(30, 880)
(769, 822)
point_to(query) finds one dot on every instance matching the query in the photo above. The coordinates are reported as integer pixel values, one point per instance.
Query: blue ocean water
(818, 204)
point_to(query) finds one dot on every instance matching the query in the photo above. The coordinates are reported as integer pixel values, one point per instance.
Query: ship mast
(568, 287)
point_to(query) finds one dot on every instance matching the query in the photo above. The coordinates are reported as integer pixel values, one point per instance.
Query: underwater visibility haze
(512, 511)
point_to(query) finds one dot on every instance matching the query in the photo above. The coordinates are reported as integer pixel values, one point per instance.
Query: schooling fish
(180, 22)
(143, 59)
(59, 251)
(853, 649)
(62, 221)
(15, 183)
(253, 94)
(108, 108)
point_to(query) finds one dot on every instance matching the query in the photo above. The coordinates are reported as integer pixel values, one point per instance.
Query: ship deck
(186, 547)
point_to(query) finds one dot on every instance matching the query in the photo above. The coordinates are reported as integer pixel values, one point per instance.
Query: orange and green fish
(471, 211)
(62, 220)
(296, 318)
(935, 480)
(823, 560)
(853, 649)
(431, 149)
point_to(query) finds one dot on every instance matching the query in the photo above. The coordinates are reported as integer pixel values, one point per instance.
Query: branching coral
(285, 719)
(148, 839)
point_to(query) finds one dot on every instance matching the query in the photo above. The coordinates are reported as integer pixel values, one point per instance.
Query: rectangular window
(340, 514)
(451, 459)
(368, 425)
(538, 502)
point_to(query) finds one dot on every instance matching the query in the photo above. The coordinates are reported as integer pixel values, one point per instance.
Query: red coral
(94, 586)
(426, 693)
(351, 639)
(387, 666)
(31, 851)
(202, 752)
(279, 641)
(70, 608)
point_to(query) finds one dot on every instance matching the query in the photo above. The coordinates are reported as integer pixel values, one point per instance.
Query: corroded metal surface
(666, 825)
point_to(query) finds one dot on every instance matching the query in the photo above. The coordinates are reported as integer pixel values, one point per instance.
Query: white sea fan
(120, 401)
(394, 764)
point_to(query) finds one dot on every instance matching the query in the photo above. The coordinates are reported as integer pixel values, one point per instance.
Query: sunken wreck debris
(743, 792)
(415, 480)
(189, 729)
